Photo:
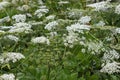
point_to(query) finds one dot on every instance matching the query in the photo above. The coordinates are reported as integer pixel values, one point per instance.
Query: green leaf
(6, 65)
(94, 77)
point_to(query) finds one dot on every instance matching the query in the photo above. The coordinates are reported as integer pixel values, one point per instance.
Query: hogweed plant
(59, 40)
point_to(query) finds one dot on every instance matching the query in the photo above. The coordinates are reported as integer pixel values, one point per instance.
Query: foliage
(80, 60)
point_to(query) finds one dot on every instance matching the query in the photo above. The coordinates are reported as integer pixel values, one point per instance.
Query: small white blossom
(11, 56)
(101, 23)
(83, 50)
(28, 15)
(85, 19)
(34, 23)
(4, 4)
(41, 39)
(117, 9)
(40, 2)
(20, 27)
(78, 27)
(12, 37)
(19, 18)
(5, 19)
(117, 30)
(40, 12)
(100, 6)
(51, 25)
(111, 68)
(5, 27)
(71, 39)
(2, 31)
(50, 17)
(75, 13)
(63, 2)
(52, 34)
(10, 76)
(110, 56)
(23, 8)
(42, 7)
(95, 47)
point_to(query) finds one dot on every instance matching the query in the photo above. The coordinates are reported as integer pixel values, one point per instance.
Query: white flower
(5, 19)
(23, 8)
(20, 27)
(75, 13)
(85, 19)
(2, 31)
(10, 76)
(1, 60)
(95, 47)
(117, 30)
(83, 50)
(63, 2)
(110, 56)
(35, 23)
(117, 9)
(100, 6)
(42, 7)
(12, 37)
(40, 12)
(53, 34)
(50, 17)
(111, 68)
(78, 27)
(71, 39)
(41, 39)
(51, 25)
(40, 2)
(11, 56)
(101, 23)
(19, 18)
(4, 4)
(28, 15)
(5, 27)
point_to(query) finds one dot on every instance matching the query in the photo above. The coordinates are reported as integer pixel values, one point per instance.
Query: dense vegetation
(59, 40)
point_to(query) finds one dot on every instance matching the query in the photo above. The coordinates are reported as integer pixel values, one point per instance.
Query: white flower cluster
(95, 47)
(4, 4)
(1, 31)
(11, 56)
(40, 2)
(10, 76)
(51, 25)
(85, 19)
(12, 37)
(40, 12)
(110, 56)
(100, 23)
(20, 27)
(5, 19)
(19, 18)
(77, 28)
(41, 39)
(75, 13)
(73, 34)
(5, 27)
(43, 7)
(50, 17)
(71, 39)
(111, 68)
(100, 6)
(117, 9)
(52, 34)
(63, 2)
(117, 30)
(23, 8)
